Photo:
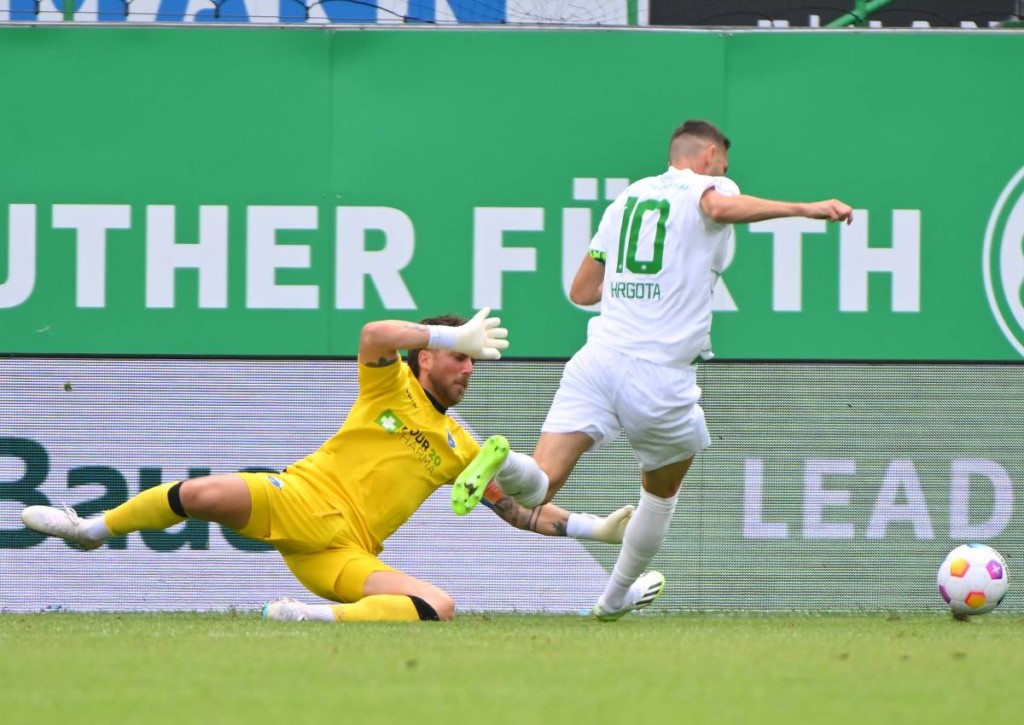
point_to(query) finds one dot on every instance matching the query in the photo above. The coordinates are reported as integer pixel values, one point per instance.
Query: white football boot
(61, 522)
(285, 609)
(642, 594)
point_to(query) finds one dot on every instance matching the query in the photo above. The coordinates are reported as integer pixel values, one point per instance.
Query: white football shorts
(603, 391)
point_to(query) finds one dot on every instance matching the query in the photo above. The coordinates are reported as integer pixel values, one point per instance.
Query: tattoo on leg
(560, 529)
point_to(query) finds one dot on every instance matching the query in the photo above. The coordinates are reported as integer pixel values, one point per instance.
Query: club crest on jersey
(389, 422)
(451, 440)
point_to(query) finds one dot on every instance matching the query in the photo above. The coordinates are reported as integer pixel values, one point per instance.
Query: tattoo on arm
(507, 509)
(382, 362)
(549, 522)
(534, 518)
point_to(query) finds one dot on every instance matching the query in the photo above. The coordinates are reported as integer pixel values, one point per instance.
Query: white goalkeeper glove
(480, 338)
(609, 529)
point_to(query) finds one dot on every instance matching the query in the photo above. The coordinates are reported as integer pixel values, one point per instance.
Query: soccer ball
(972, 579)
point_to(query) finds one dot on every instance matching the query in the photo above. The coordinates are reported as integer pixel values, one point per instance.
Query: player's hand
(612, 527)
(481, 338)
(833, 210)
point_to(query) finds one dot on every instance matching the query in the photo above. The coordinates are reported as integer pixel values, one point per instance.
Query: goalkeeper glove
(480, 338)
(609, 529)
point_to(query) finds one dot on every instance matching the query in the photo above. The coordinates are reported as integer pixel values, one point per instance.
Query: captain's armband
(598, 256)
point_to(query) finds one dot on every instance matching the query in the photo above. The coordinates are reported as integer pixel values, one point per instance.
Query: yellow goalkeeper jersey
(394, 450)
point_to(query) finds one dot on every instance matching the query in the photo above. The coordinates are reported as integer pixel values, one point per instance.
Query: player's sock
(321, 612)
(644, 534)
(289, 609)
(153, 508)
(385, 608)
(96, 528)
(522, 479)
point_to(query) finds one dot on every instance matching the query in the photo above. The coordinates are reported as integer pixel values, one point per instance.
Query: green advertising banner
(259, 191)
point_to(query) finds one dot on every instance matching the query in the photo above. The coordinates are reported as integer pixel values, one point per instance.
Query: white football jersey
(663, 256)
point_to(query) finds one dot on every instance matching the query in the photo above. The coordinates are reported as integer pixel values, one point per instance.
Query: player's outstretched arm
(831, 210)
(381, 340)
(480, 338)
(739, 208)
(551, 520)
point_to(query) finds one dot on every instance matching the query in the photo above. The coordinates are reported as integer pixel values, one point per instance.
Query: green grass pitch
(234, 668)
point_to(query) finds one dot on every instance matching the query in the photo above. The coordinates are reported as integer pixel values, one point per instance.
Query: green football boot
(470, 485)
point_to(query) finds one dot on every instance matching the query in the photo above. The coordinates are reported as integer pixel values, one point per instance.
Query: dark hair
(703, 130)
(447, 320)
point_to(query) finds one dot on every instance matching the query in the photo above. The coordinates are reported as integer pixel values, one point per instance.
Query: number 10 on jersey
(629, 235)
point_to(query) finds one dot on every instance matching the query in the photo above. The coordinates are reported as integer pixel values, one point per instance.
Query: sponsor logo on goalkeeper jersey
(417, 442)
(389, 422)
(1003, 263)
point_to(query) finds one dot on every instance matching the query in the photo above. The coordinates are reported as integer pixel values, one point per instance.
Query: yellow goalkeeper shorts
(313, 536)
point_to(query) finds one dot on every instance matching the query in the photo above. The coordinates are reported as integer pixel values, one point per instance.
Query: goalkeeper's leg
(369, 591)
(223, 499)
(530, 480)
(469, 486)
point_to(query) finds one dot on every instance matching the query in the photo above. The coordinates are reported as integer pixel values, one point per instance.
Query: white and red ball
(973, 579)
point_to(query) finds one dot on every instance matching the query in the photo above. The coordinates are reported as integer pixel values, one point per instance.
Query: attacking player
(656, 256)
(329, 513)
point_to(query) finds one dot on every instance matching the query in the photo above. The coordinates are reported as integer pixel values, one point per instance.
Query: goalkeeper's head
(442, 373)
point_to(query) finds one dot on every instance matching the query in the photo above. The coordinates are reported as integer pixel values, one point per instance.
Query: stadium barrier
(828, 487)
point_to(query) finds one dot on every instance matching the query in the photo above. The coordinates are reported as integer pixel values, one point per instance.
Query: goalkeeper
(329, 513)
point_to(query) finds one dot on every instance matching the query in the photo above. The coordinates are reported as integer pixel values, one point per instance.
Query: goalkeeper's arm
(551, 520)
(480, 337)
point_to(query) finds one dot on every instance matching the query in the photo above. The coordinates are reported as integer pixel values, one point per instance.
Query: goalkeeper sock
(384, 608)
(644, 535)
(321, 612)
(522, 479)
(96, 528)
(151, 509)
